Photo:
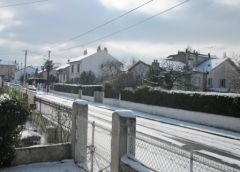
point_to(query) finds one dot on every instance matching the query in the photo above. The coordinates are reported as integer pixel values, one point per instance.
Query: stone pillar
(31, 95)
(80, 94)
(98, 96)
(1, 82)
(123, 124)
(79, 130)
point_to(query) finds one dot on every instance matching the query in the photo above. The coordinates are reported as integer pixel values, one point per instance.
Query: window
(72, 68)
(222, 83)
(209, 82)
(78, 67)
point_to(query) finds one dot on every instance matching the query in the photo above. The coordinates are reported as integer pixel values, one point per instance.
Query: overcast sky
(41, 26)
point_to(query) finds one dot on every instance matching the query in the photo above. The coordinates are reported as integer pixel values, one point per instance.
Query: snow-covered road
(184, 134)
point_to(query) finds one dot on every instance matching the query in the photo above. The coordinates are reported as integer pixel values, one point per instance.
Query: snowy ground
(208, 140)
(60, 166)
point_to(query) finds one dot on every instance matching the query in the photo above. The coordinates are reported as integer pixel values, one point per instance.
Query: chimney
(105, 49)
(155, 66)
(99, 48)
(85, 52)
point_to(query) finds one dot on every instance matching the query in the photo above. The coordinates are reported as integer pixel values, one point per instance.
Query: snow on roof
(82, 57)
(26, 68)
(62, 67)
(168, 65)
(7, 62)
(209, 64)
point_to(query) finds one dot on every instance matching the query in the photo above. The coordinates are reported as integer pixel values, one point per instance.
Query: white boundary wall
(219, 121)
(71, 95)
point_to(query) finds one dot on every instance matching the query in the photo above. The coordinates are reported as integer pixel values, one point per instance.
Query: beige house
(139, 71)
(63, 73)
(7, 69)
(209, 73)
(221, 75)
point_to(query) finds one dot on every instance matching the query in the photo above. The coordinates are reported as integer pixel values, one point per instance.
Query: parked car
(32, 87)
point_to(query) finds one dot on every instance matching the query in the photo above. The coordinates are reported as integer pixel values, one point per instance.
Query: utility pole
(24, 70)
(48, 69)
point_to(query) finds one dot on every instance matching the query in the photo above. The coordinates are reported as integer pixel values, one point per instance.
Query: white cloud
(231, 3)
(9, 24)
(149, 50)
(46, 7)
(7, 19)
(6, 14)
(2, 27)
(152, 8)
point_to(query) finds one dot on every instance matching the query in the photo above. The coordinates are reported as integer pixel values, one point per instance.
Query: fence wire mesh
(99, 147)
(158, 155)
(202, 163)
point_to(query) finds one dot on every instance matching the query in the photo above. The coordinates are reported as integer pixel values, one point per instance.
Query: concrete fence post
(122, 121)
(98, 96)
(79, 130)
(1, 82)
(31, 96)
(80, 94)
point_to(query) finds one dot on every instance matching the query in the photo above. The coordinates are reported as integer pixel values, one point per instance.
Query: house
(209, 73)
(29, 70)
(63, 73)
(215, 74)
(139, 71)
(191, 59)
(99, 63)
(43, 74)
(7, 69)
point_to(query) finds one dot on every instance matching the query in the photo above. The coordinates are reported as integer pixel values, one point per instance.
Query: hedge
(216, 103)
(109, 92)
(73, 88)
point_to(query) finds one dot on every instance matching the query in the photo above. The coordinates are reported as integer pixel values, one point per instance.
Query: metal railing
(55, 121)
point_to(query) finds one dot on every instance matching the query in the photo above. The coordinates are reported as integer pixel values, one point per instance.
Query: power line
(128, 27)
(103, 24)
(22, 3)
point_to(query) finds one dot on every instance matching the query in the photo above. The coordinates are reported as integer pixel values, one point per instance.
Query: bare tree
(123, 80)
(110, 69)
(171, 75)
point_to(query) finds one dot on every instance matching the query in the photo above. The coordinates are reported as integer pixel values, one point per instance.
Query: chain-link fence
(159, 155)
(99, 147)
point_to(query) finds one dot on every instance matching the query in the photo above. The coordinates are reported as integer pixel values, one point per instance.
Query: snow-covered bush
(13, 115)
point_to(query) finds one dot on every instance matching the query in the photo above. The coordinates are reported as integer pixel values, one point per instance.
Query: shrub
(71, 88)
(223, 104)
(109, 92)
(88, 90)
(67, 88)
(13, 116)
